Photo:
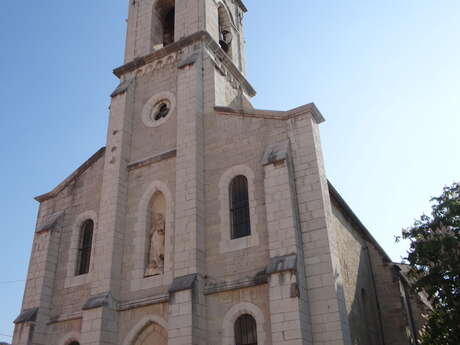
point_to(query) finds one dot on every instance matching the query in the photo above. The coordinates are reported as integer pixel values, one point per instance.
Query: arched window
(84, 247)
(239, 207)
(74, 343)
(168, 27)
(225, 30)
(163, 22)
(245, 330)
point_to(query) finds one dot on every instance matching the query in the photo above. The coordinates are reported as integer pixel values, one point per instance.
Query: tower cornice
(222, 61)
(241, 4)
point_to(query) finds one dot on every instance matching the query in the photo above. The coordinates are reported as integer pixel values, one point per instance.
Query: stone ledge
(50, 222)
(188, 61)
(183, 283)
(151, 160)
(200, 36)
(278, 115)
(282, 264)
(28, 315)
(98, 301)
(121, 88)
(65, 317)
(275, 153)
(143, 302)
(259, 279)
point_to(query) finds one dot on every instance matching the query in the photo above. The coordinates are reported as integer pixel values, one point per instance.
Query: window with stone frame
(163, 22)
(84, 247)
(225, 30)
(245, 330)
(239, 208)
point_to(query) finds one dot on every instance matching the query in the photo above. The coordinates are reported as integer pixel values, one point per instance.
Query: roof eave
(80, 170)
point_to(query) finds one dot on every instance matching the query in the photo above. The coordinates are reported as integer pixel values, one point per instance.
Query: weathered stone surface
(309, 273)
(276, 152)
(27, 315)
(282, 263)
(102, 300)
(183, 283)
(50, 222)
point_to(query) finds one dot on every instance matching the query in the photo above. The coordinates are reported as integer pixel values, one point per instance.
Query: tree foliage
(434, 260)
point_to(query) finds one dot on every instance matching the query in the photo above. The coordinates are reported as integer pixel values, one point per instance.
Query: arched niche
(163, 23)
(156, 234)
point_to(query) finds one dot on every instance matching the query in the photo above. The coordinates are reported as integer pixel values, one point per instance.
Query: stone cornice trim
(66, 317)
(99, 301)
(309, 108)
(27, 315)
(183, 283)
(143, 302)
(282, 264)
(241, 4)
(200, 36)
(72, 176)
(144, 60)
(259, 279)
(218, 55)
(151, 160)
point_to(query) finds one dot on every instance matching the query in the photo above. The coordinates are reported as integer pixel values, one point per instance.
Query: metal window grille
(84, 249)
(245, 330)
(239, 208)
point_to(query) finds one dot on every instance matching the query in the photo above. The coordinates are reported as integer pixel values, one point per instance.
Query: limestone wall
(358, 282)
(153, 85)
(235, 145)
(71, 291)
(394, 318)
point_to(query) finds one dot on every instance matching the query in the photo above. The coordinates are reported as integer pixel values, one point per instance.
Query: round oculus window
(158, 109)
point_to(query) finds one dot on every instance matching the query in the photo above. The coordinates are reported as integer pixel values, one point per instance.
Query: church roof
(356, 221)
(72, 176)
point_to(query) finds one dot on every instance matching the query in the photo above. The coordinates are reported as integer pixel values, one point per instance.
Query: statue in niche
(156, 257)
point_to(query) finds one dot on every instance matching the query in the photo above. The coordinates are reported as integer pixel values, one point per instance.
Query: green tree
(434, 260)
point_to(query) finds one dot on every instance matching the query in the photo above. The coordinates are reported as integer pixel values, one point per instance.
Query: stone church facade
(204, 220)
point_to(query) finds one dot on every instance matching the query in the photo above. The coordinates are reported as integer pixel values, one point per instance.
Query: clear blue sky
(385, 74)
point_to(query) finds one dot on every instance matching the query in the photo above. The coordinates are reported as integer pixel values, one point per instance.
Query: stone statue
(156, 256)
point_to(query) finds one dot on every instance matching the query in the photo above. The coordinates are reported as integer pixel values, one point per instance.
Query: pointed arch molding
(226, 243)
(73, 280)
(140, 326)
(228, 13)
(70, 338)
(138, 281)
(234, 313)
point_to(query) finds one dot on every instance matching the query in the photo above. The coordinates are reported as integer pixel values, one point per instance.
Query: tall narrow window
(84, 248)
(246, 330)
(239, 207)
(225, 30)
(168, 27)
(163, 23)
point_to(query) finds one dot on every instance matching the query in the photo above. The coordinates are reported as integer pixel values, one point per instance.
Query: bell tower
(155, 24)
(183, 58)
